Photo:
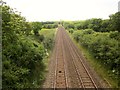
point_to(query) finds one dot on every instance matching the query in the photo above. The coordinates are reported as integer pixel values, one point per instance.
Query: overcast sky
(52, 10)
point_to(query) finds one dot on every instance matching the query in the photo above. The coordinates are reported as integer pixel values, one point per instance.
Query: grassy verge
(96, 65)
(49, 34)
(47, 43)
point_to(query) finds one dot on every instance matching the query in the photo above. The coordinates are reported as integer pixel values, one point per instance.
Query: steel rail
(78, 74)
(60, 44)
(74, 48)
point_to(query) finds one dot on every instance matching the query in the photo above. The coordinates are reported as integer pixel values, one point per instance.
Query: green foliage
(115, 35)
(71, 30)
(115, 22)
(68, 25)
(95, 24)
(88, 31)
(50, 25)
(22, 57)
(105, 26)
(103, 46)
(101, 38)
(49, 38)
(41, 38)
(36, 26)
(19, 64)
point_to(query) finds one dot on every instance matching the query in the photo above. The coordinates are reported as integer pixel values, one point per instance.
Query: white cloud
(44, 10)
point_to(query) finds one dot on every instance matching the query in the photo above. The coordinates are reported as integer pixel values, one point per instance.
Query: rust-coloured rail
(89, 83)
(67, 68)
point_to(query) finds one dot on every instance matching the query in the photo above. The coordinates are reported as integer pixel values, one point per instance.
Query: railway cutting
(68, 68)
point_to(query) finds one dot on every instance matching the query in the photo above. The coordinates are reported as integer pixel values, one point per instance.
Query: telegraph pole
(119, 6)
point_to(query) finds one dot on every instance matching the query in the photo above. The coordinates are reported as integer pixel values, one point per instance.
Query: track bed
(67, 67)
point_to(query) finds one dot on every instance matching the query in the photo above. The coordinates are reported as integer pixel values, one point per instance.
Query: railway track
(60, 66)
(84, 76)
(67, 69)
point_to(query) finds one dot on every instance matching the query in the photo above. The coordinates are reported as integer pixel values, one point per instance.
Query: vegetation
(50, 25)
(26, 44)
(97, 25)
(49, 38)
(101, 38)
(24, 50)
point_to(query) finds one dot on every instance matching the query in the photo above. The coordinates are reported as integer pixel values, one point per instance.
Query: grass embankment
(98, 66)
(24, 50)
(48, 42)
(45, 39)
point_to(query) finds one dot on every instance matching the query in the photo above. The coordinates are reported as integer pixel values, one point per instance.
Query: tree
(20, 57)
(36, 26)
(115, 22)
(105, 25)
(95, 24)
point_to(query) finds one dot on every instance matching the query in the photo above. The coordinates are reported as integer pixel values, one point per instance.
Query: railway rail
(84, 76)
(67, 68)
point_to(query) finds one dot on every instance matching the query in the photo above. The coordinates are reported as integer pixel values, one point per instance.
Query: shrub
(103, 46)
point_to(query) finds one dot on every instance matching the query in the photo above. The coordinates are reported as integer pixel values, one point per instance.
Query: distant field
(47, 32)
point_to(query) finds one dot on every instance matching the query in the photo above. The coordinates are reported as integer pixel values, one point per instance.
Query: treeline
(23, 51)
(97, 25)
(102, 39)
(50, 25)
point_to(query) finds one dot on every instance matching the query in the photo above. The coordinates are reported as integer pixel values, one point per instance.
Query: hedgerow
(103, 48)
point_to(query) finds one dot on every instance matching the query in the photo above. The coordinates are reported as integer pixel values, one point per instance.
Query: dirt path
(68, 68)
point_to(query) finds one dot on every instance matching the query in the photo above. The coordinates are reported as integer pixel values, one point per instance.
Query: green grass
(96, 65)
(48, 33)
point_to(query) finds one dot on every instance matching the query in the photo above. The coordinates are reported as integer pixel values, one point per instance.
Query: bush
(22, 61)
(103, 47)
(41, 38)
(115, 35)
